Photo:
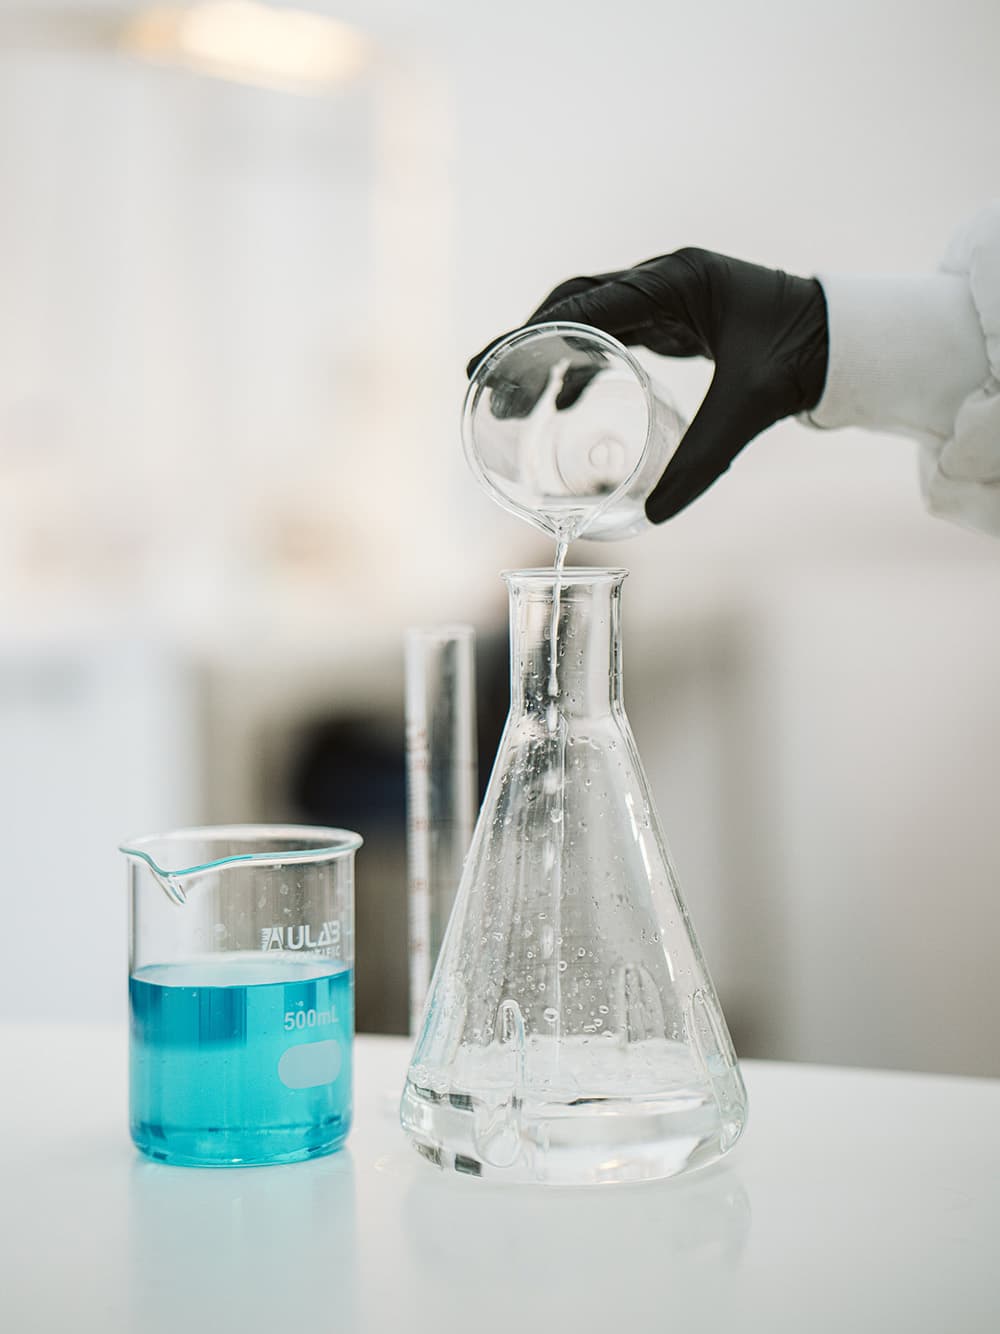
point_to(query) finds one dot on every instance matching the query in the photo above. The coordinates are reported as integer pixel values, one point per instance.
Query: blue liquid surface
(241, 1059)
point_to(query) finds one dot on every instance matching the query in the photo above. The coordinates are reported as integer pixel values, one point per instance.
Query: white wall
(99, 742)
(235, 325)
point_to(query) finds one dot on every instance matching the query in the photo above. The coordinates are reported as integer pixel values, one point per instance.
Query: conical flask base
(655, 1116)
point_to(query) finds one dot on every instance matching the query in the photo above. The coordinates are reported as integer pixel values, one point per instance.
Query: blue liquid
(241, 1059)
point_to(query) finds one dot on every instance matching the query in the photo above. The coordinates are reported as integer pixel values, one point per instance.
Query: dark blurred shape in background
(351, 771)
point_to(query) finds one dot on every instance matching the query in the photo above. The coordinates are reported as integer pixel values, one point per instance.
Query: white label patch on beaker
(309, 1064)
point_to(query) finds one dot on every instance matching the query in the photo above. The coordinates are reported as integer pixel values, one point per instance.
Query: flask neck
(587, 681)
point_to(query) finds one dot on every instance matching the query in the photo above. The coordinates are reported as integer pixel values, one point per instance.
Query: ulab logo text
(300, 937)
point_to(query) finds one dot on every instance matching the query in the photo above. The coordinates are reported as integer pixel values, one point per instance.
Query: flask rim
(567, 577)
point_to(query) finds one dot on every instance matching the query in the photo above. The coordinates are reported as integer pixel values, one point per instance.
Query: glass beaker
(241, 993)
(571, 1033)
(563, 426)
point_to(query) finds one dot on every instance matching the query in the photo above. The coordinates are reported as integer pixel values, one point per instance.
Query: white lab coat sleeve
(920, 356)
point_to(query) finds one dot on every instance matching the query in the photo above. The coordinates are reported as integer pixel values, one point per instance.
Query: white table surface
(857, 1201)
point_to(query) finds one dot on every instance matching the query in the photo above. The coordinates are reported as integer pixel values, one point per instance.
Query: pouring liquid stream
(562, 546)
(557, 778)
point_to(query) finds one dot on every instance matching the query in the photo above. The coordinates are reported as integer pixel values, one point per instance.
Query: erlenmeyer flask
(571, 1033)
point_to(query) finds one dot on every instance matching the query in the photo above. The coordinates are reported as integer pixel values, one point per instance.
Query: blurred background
(245, 252)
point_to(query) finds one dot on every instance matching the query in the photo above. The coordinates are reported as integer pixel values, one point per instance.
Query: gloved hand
(765, 330)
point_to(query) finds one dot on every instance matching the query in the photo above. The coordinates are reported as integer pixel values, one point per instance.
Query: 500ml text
(309, 1018)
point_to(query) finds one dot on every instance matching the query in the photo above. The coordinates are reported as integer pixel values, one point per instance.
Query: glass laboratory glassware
(563, 426)
(572, 1033)
(241, 993)
(441, 781)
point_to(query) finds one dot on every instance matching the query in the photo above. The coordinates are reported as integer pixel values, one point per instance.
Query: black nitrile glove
(765, 330)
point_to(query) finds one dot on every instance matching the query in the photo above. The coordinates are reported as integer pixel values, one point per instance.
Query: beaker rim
(324, 844)
(531, 333)
(478, 378)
